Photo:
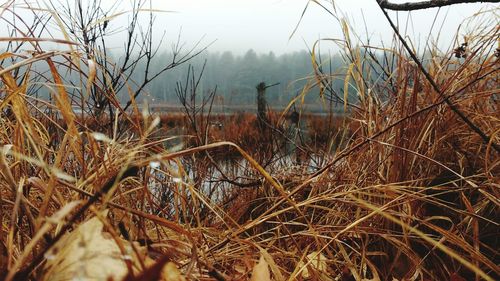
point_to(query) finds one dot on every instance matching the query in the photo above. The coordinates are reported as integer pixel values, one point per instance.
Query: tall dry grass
(411, 194)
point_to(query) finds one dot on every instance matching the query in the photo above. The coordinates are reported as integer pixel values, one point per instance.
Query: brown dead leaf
(261, 271)
(171, 273)
(86, 254)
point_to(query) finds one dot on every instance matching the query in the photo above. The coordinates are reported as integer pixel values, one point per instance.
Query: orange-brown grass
(243, 129)
(329, 131)
(411, 194)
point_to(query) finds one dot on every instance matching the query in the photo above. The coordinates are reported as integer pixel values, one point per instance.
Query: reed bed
(408, 192)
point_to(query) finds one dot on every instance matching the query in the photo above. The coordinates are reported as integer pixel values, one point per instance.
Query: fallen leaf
(171, 273)
(85, 254)
(261, 271)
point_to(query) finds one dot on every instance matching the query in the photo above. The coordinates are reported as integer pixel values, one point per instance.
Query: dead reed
(410, 192)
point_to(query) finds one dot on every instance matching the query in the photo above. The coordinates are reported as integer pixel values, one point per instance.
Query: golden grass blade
(425, 237)
(346, 85)
(31, 39)
(47, 226)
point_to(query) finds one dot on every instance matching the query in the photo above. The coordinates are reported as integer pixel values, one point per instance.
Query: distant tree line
(236, 76)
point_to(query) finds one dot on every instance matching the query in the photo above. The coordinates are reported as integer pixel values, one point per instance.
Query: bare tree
(89, 25)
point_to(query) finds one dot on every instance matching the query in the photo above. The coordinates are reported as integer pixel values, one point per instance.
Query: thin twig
(453, 107)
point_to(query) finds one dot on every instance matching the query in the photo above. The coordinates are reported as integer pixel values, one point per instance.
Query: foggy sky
(266, 25)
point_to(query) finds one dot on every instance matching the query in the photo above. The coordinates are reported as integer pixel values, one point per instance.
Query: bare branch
(412, 6)
(441, 93)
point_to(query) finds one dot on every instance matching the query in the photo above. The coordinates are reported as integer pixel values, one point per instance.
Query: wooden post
(261, 104)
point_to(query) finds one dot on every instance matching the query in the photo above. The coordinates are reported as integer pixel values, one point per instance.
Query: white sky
(265, 25)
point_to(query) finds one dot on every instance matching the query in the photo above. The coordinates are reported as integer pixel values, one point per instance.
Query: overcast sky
(266, 25)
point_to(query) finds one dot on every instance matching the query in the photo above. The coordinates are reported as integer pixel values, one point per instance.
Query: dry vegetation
(408, 192)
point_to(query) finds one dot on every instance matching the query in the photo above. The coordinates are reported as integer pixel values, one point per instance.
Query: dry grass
(411, 194)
